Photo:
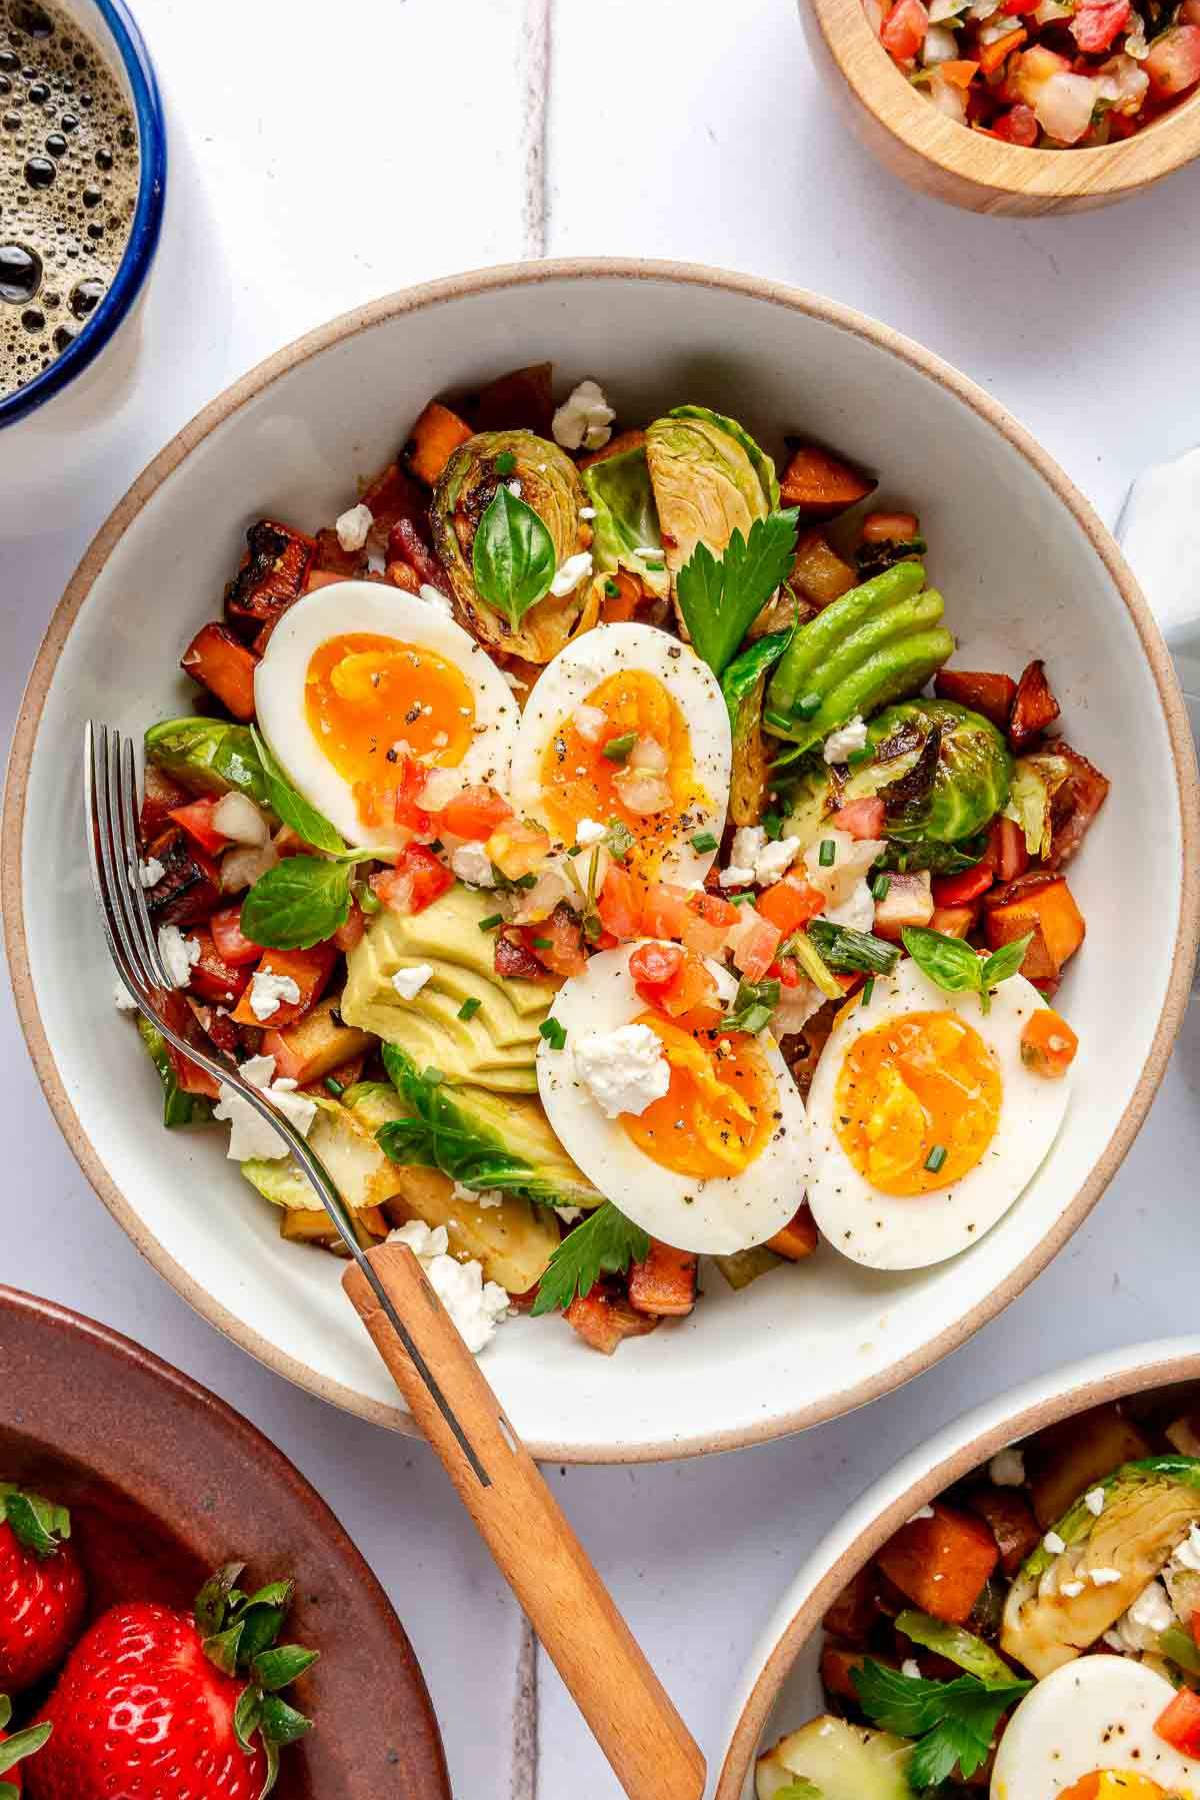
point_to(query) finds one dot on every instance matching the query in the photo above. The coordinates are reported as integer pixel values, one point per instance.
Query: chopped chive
(542, 943)
(554, 1034)
(656, 566)
(827, 855)
(936, 1158)
(368, 899)
(469, 1007)
(618, 748)
(809, 704)
(773, 826)
(525, 881)
(433, 1076)
(879, 887)
(857, 758)
(491, 922)
(335, 1087)
(741, 899)
(611, 589)
(704, 840)
(505, 463)
(867, 991)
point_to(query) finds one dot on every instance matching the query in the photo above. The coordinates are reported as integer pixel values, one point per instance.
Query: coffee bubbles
(68, 184)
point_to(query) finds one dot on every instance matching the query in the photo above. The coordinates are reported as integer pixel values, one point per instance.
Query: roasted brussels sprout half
(1036, 780)
(209, 756)
(625, 530)
(710, 479)
(549, 483)
(942, 770)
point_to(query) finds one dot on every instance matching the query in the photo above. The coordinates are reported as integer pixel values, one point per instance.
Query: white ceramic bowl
(1028, 570)
(781, 1686)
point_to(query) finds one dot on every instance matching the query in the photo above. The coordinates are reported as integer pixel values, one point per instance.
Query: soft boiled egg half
(628, 723)
(1087, 1733)
(924, 1124)
(709, 1155)
(359, 679)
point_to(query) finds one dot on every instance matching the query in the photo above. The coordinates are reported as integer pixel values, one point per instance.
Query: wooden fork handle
(629, 1711)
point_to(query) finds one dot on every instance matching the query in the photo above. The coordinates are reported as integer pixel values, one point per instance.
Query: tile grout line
(525, 1718)
(535, 48)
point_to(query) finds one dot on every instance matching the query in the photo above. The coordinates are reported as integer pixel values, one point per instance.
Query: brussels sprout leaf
(743, 674)
(954, 966)
(720, 597)
(513, 556)
(606, 1243)
(292, 808)
(953, 1720)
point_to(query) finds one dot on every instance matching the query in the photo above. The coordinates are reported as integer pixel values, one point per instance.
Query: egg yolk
(1113, 1784)
(372, 701)
(718, 1114)
(917, 1102)
(580, 782)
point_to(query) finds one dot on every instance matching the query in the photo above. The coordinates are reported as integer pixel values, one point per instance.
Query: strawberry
(42, 1593)
(14, 1748)
(180, 1706)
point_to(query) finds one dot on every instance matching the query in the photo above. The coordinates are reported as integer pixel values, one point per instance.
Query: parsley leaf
(605, 1244)
(291, 808)
(954, 1721)
(720, 597)
(512, 558)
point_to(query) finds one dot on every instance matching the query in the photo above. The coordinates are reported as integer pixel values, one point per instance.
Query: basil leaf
(298, 903)
(1001, 964)
(948, 961)
(292, 808)
(512, 559)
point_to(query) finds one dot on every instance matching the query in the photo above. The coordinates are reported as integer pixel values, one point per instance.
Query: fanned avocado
(1148, 1509)
(710, 479)
(878, 643)
(494, 1045)
(347, 1147)
(208, 756)
(839, 1761)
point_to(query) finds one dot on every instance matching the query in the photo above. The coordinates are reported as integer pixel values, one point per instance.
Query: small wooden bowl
(938, 156)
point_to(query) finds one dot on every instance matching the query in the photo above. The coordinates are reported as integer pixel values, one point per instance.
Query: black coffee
(68, 184)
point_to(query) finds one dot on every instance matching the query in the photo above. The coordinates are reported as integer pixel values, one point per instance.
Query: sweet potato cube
(161, 793)
(604, 1319)
(309, 969)
(522, 400)
(189, 888)
(391, 496)
(270, 578)
(1034, 707)
(819, 574)
(664, 1286)
(1042, 904)
(821, 484)
(1067, 1459)
(941, 1563)
(989, 694)
(1016, 1531)
(306, 1225)
(435, 437)
(315, 1046)
(798, 1239)
(854, 1611)
(330, 558)
(616, 446)
(954, 921)
(221, 662)
(1075, 805)
(837, 1665)
(908, 901)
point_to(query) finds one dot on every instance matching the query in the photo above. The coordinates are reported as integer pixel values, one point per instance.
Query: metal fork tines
(110, 808)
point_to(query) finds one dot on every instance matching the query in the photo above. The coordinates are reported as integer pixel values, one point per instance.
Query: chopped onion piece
(643, 791)
(648, 754)
(238, 819)
(1065, 105)
(242, 867)
(940, 46)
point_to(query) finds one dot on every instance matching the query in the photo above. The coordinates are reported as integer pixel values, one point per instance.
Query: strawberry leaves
(38, 1524)
(16, 1748)
(239, 1632)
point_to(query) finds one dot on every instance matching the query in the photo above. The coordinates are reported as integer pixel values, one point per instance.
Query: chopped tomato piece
(861, 818)
(475, 813)
(231, 944)
(691, 990)
(160, 795)
(664, 910)
(1006, 852)
(904, 30)
(411, 777)
(1097, 24)
(1173, 64)
(196, 819)
(212, 978)
(557, 942)
(1048, 1044)
(654, 967)
(604, 1318)
(892, 527)
(706, 928)
(790, 904)
(1020, 126)
(309, 969)
(515, 960)
(665, 1284)
(756, 948)
(960, 890)
(351, 933)
(191, 1077)
(416, 881)
(1178, 1724)
(620, 904)
(1034, 707)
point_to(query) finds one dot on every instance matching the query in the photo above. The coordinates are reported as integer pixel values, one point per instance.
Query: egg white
(716, 1216)
(578, 670)
(899, 1231)
(1097, 1712)
(367, 606)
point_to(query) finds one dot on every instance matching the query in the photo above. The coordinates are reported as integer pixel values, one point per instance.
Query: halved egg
(628, 723)
(359, 680)
(924, 1124)
(1086, 1732)
(712, 1158)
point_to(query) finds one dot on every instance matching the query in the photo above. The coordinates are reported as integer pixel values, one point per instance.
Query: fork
(630, 1714)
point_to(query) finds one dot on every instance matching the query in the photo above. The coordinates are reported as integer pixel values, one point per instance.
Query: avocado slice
(208, 756)
(957, 1645)
(1148, 1509)
(346, 1145)
(839, 1761)
(494, 1046)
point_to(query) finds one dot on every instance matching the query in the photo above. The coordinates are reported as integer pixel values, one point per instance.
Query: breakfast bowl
(164, 1484)
(289, 443)
(1060, 1467)
(939, 156)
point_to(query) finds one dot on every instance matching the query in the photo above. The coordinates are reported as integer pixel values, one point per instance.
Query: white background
(327, 155)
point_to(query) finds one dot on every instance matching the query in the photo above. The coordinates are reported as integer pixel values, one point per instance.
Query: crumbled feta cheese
(1053, 1543)
(352, 527)
(569, 1214)
(910, 1668)
(589, 832)
(922, 1512)
(150, 872)
(251, 1137)
(123, 1000)
(481, 1197)
(474, 1305)
(584, 420)
(513, 681)
(179, 954)
(587, 512)
(1071, 1589)
(736, 875)
(1140, 1627)
(841, 744)
(409, 982)
(1105, 1577)
(1094, 1501)
(1007, 1468)
(843, 881)
(471, 863)
(1187, 1556)
(570, 573)
(434, 597)
(268, 992)
(237, 818)
(767, 858)
(623, 1070)
(590, 723)
(514, 487)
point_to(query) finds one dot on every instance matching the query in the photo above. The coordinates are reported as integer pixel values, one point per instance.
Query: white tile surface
(340, 154)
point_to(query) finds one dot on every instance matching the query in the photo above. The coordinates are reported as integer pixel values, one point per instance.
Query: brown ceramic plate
(166, 1482)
